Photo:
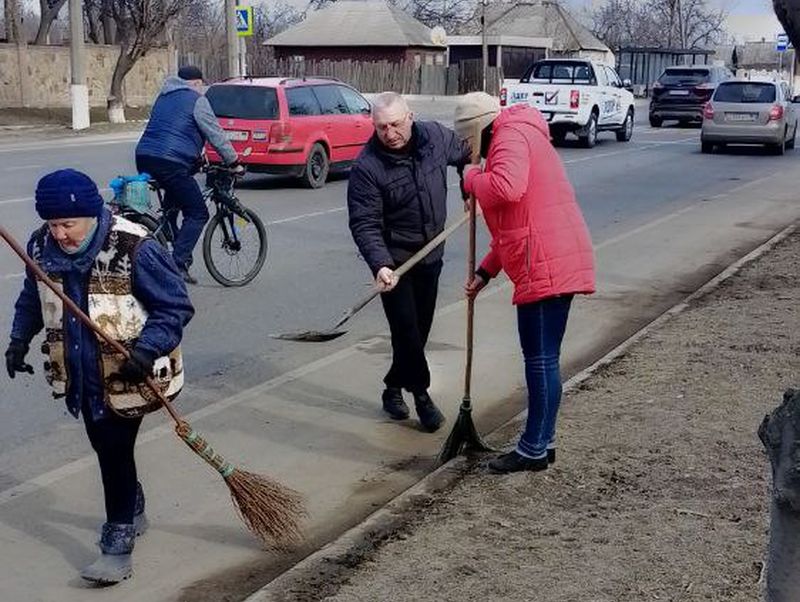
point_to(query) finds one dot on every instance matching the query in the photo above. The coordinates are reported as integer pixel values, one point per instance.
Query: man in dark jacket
(180, 124)
(397, 202)
(129, 286)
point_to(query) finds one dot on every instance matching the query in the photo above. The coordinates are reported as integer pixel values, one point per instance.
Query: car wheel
(317, 167)
(589, 136)
(791, 142)
(656, 122)
(706, 147)
(625, 133)
(777, 149)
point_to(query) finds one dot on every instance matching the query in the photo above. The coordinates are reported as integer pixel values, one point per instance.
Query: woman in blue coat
(129, 285)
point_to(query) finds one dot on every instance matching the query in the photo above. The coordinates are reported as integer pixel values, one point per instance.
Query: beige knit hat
(474, 112)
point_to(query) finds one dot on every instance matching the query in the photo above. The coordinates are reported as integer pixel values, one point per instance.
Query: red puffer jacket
(539, 237)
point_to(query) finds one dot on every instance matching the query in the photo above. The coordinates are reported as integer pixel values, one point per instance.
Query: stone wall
(39, 76)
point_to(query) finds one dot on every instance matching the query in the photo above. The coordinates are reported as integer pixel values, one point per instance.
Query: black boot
(114, 564)
(551, 456)
(429, 415)
(140, 522)
(393, 403)
(514, 462)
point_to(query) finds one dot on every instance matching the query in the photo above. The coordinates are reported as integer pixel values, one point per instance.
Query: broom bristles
(463, 437)
(270, 510)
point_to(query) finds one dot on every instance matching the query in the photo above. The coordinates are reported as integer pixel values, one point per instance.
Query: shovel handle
(78, 313)
(404, 268)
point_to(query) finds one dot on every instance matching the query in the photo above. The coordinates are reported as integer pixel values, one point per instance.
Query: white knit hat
(474, 112)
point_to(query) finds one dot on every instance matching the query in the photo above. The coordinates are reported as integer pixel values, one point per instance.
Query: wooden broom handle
(473, 206)
(87, 321)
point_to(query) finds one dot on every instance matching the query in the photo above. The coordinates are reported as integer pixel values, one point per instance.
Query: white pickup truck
(575, 96)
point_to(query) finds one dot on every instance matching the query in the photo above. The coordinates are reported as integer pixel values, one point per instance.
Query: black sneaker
(187, 277)
(393, 403)
(429, 415)
(551, 456)
(514, 462)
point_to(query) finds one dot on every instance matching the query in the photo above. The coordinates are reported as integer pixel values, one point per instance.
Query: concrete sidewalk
(197, 549)
(660, 490)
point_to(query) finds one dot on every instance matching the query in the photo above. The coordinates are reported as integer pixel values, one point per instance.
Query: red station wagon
(299, 127)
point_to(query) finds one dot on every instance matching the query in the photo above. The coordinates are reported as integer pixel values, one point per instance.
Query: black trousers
(113, 439)
(409, 308)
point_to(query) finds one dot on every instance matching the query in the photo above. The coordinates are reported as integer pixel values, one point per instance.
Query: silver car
(750, 112)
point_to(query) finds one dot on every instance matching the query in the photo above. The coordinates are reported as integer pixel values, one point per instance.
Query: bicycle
(227, 233)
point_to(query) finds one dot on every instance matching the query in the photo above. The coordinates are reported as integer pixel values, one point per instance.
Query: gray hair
(386, 100)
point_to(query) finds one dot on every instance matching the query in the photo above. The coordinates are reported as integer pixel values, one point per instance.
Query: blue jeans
(181, 191)
(541, 330)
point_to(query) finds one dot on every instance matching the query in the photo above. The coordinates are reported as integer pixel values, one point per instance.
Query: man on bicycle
(181, 122)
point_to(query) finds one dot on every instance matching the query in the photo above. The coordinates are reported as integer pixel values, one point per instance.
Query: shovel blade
(310, 336)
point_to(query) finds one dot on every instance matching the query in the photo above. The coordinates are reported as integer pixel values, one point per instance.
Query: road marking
(22, 167)
(306, 215)
(11, 276)
(53, 476)
(30, 199)
(120, 139)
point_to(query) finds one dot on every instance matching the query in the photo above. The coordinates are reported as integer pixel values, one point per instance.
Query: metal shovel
(319, 336)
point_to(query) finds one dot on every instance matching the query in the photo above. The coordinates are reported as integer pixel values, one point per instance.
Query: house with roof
(361, 30)
(519, 33)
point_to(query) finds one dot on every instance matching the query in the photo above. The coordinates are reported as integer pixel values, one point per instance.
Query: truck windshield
(560, 73)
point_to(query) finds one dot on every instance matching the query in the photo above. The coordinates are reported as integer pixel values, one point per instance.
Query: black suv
(681, 92)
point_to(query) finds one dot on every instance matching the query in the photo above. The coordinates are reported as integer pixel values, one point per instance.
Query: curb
(346, 552)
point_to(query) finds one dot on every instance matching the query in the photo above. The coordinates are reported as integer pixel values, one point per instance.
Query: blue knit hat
(67, 193)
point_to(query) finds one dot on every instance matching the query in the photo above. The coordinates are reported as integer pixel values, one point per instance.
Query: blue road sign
(244, 21)
(782, 42)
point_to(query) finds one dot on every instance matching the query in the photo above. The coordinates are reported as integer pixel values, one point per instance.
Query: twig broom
(270, 510)
(464, 436)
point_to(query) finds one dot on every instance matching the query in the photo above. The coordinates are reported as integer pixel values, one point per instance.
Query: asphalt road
(313, 271)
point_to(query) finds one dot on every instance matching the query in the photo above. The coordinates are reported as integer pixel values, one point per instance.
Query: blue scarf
(85, 244)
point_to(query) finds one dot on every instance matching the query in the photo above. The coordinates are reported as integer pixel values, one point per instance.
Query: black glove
(237, 169)
(15, 358)
(136, 368)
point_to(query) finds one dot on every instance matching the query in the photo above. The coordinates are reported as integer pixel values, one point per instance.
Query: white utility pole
(232, 38)
(484, 46)
(79, 91)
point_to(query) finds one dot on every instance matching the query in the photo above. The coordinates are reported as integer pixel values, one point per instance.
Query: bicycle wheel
(149, 222)
(235, 247)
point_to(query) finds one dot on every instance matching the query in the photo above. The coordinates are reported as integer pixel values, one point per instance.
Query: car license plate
(236, 135)
(679, 92)
(741, 116)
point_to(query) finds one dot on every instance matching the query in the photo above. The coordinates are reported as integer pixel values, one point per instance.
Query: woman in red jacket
(540, 240)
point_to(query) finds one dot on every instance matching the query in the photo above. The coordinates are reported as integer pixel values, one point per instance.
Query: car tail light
(280, 133)
(574, 99)
(708, 111)
(776, 113)
(503, 97)
(704, 89)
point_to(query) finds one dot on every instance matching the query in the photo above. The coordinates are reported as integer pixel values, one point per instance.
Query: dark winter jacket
(180, 124)
(157, 285)
(398, 202)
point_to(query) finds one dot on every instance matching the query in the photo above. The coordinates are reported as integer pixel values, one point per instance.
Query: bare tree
(445, 13)
(48, 11)
(140, 26)
(658, 23)
(12, 18)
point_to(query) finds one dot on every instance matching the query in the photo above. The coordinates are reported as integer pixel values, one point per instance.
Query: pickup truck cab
(575, 96)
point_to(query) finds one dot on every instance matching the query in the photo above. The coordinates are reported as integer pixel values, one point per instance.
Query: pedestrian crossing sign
(244, 21)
